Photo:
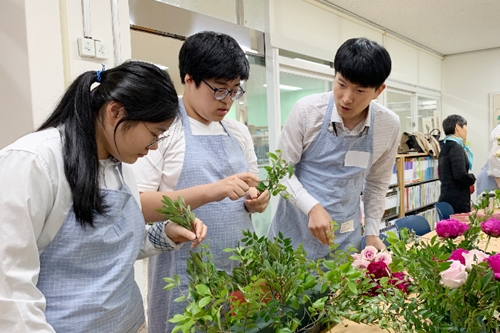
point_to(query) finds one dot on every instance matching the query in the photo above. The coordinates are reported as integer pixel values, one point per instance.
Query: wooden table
(354, 328)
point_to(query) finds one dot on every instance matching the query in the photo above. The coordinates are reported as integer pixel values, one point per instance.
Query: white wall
(467, 80)
(307, 27)
(15, 91)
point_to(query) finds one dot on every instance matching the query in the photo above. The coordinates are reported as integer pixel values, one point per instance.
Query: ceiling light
(248, 50)
(312, 62)
(288, 88)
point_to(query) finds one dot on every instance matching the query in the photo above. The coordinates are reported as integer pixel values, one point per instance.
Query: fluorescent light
(248, 50)
(429, 102)
(285, 87)
(312, 62)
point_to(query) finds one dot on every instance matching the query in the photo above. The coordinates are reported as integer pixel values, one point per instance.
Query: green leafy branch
(177, 212)
(278, 170)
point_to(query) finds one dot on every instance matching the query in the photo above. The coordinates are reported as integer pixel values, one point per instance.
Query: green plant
(468, 301)
(274, 289)
(278, 169)
(177, 212)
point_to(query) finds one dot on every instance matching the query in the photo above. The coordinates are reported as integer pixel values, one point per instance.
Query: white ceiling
(443, 26)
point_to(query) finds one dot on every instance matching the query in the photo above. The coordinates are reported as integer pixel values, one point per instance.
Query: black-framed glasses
(221, 93)
(156, 138)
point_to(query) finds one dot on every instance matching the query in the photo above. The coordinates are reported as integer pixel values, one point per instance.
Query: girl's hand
(180, 234)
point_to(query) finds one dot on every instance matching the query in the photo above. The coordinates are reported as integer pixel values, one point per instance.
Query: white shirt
(35, 198)
(160, 169)
(494, 162)
(302, 127)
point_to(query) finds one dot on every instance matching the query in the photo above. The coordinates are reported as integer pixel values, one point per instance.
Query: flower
(401, 281)
(458, 255)
(362, 264)
(451, 228)
(455, 276)
(368, 253)
(494, 263)
(491, 227)
(384, 257)
(378, 269)
(473, 257)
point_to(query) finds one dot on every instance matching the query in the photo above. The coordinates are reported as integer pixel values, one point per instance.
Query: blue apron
(207, 159)
(87, 274)
(485, 182)
(337, 187)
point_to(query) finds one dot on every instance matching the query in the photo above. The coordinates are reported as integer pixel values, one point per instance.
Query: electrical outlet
(101, 50)
(86, 47)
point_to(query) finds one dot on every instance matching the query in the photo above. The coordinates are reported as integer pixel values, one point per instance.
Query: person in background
(488, 178)
(208, 159)
(454, 163)
(342, 144)
(72, 226)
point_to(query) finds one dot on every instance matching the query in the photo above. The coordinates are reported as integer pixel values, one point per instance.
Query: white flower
(474, 257)
(455, 276)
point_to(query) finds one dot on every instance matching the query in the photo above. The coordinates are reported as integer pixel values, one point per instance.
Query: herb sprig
(278, 169)
(177, 212)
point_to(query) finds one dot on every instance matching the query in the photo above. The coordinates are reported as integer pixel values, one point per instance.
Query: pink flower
(369, 253)
(455, 276)
(356, 256)
(494, 262)
(360, 263)
(491, 227)
(473, 257)
(451, 228)
(458, 255)
(384, 257)
(378, 269)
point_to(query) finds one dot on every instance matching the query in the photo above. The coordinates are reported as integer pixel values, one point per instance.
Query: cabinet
(418, 185)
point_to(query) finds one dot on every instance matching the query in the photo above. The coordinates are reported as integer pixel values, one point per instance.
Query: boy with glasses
(207, 159)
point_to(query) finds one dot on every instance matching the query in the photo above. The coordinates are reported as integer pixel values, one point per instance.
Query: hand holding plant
(178, 212)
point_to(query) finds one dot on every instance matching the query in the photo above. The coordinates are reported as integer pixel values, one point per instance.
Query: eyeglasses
(157, 138)
(221, 93)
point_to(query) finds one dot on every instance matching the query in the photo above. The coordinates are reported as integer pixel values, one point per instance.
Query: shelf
(389, 217)
(421, 208)
(421, 182)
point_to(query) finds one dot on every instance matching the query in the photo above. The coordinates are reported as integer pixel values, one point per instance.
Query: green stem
(487, 243)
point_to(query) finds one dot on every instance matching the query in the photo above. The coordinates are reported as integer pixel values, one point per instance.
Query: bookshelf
(418, 185)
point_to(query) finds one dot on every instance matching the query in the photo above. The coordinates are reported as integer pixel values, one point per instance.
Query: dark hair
(450, 123)
(146, 93)
(209, 54)
(363, 62)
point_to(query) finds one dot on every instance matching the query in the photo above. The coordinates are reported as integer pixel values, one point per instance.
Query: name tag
(357, 159)
(142, 329)
(347, 227)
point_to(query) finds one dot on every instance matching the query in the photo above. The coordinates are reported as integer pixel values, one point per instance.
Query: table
(354, 328)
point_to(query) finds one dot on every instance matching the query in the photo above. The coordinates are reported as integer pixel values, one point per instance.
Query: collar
(337, 119)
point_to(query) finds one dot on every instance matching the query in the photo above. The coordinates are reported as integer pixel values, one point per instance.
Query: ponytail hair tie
(98, 76)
